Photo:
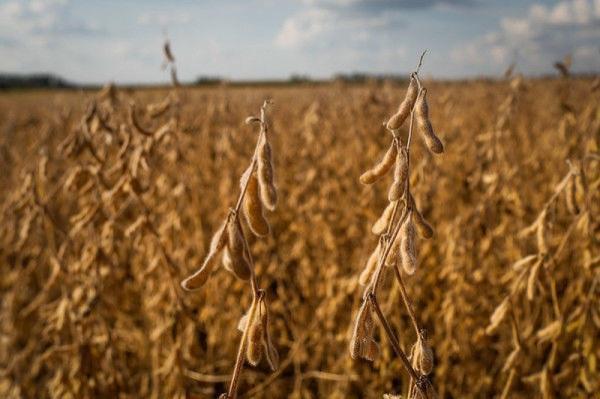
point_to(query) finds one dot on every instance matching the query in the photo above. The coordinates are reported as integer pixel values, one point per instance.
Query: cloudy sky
(118, 40)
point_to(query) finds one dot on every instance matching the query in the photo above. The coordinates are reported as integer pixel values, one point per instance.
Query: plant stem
(386, 252)
(257, 294)
(388, 241)
(406, 300)
(239, 362)
(394, 341)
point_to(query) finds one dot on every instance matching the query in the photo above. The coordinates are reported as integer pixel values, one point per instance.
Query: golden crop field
(109, 201)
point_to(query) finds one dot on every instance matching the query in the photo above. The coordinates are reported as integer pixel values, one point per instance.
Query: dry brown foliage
(100, 221)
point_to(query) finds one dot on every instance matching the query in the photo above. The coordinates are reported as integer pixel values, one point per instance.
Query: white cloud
(321, 38)
(543, 36)
(382, 5)
(303, 28)
(42, 6)
(44, 36)
(324, 27)
(342, 20)
(38, 20)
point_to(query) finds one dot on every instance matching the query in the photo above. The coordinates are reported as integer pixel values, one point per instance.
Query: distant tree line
(16, 81)
(363, 77)
(46, 80)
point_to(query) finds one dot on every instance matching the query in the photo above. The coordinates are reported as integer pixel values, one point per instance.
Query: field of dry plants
(109, 200)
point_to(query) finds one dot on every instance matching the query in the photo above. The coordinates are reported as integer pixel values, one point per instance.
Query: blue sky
(109, 40)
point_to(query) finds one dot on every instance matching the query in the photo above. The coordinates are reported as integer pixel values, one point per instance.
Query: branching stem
(257, 293)
(387, 241)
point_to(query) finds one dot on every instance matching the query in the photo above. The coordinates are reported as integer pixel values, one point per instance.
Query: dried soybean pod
(243, 323)
(382, 223)
(379, 170)
(168, 52)
(405, 107)
(226, 260)
(363, 328)
(134, 121)
(499, 314)
(571, 195)
(533, 278)
(422, 114)
(424, 228)
(271, 353)
(252, 119)
(541, 232)
(236, 250)
(394, 254)
(423, 356)
(356, 342)
(400, 176)
(268, 191)
(365, 276)
(370, 350)
(255, 337)
(518, 265)
(511, 359)
(253, 209)
(547, 384)
(408, 251)
(550, 331)
(199, 278)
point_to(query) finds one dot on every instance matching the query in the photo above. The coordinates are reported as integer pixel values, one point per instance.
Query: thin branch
(386, 242)
(420, 61)
(239, 362)
(406, 300)
(297, 343)
(206, 378)
(392, 338)
(322, 375)
(257, 294)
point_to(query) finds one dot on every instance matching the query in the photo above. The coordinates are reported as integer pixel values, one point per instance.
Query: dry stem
(257, 293)
(387, 241)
